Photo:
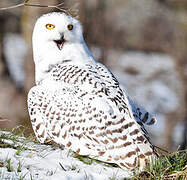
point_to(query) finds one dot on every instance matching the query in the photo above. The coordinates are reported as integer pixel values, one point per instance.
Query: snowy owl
(78, 103)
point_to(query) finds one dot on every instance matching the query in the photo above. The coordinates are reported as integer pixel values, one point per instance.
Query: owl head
(57, 29)
(57, 37)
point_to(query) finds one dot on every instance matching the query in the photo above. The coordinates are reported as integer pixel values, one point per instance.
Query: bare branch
(12, 7)
(60, 4)
(48, 6)
(25, 3)
(38, 5)
(71, 11)
(4, 119)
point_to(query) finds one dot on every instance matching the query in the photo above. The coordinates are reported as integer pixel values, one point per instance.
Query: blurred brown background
(143, 42)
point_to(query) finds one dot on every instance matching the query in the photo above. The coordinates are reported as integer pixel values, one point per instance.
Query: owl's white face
(57, 38)
(57, 27)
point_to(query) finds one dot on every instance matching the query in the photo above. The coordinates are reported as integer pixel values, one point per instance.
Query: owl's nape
(79, 104)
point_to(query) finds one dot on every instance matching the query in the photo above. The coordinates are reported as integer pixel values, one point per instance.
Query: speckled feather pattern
(87, 112)
(81, 106)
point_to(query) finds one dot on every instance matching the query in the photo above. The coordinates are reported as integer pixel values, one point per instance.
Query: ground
(25, 159)
(22, 159)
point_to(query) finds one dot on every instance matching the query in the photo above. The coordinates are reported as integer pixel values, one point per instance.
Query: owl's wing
(141, 115)
(37, 105)
(89, 113)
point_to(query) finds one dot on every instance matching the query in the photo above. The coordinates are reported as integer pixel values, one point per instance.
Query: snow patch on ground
(41, 162)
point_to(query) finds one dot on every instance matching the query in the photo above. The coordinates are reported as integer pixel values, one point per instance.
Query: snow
(44, 162)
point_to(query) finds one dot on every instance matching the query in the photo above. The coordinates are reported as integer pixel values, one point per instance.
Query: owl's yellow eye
(70, 27)
(50, 26)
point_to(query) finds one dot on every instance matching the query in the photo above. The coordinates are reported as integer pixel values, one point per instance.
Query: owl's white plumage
(78, 103)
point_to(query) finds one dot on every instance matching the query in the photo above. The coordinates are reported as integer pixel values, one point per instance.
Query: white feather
(78, 103)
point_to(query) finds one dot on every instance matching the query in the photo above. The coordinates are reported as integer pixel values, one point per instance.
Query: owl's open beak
(60, 43)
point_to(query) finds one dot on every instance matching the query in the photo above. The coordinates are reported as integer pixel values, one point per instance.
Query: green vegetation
(19, 167)
(85, 159)
(90, 161)
(167, 167)
(8, 165)
(172, 166)
(16, 139)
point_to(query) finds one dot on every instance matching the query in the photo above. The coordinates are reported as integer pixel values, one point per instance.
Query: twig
(69, 11)
(12, 7)
(4, 119)
(25, 3)
(48, 6)
(161, 149)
